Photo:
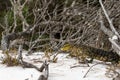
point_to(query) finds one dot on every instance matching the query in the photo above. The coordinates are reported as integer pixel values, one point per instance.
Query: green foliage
(26, 11)
(27, 14)
(10, 17)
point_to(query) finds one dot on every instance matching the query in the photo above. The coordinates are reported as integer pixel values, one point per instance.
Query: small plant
(54, 59)
(9, 61)
(48, 54)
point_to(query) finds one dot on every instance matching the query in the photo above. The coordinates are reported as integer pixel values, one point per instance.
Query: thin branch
(108, 18)
(2, 26)
(22, 6)
(90, 69)
(115, 46)
(103, 28)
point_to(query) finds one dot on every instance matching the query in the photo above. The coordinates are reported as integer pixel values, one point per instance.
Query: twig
(90, 69)
(78, 66)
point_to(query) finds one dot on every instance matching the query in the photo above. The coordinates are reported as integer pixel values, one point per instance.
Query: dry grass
(9, 60)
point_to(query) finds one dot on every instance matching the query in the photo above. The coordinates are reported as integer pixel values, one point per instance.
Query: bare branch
(2, 26)
(112, 34)
(116, 47)
(103, 28)
(109, 20)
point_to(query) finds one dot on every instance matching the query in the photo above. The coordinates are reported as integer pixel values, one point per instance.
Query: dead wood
(89, 70)
(113, 34)
(42, 77)
(46, 72)
(117, 77)
(44, 66)
(93, 66)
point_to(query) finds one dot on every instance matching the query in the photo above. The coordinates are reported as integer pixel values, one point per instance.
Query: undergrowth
(9, 60)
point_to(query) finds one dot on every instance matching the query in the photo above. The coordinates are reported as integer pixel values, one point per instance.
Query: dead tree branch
(29, 65)
(90, 69)
(113, 34)
(109, 20)
(18, 12)
(55, 24)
